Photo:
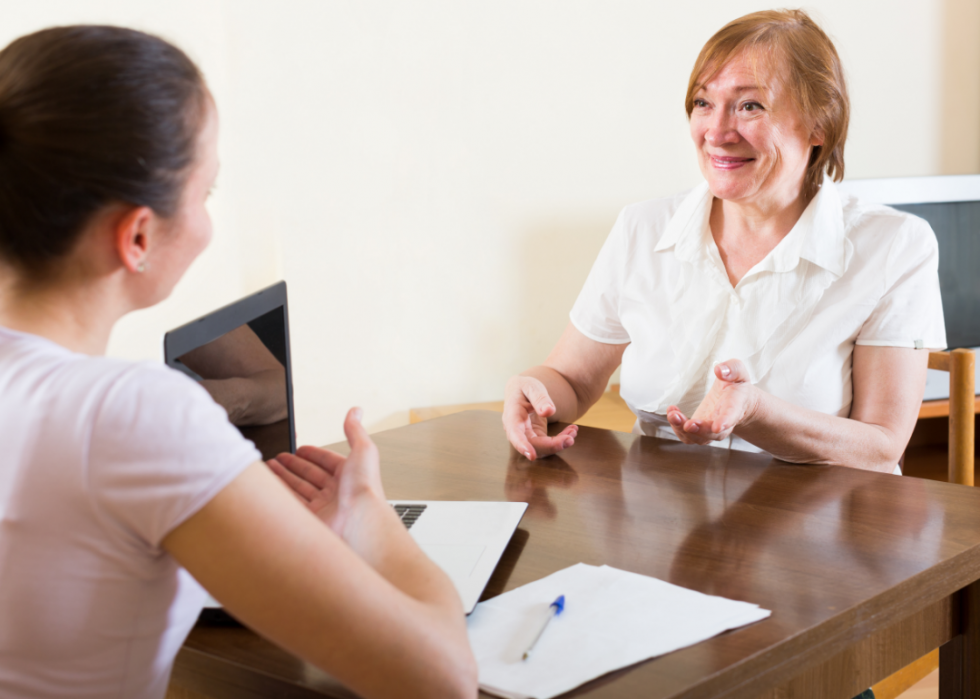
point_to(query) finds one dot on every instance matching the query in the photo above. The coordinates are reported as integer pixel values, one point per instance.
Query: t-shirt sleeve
(910, 312)
(596, 311)
(160, 449)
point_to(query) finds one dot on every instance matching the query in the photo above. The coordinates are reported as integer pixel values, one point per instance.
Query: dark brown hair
(90, 115)
(816, 77)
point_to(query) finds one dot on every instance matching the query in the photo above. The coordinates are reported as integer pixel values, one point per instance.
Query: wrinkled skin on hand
(728, 404)
(526, 411)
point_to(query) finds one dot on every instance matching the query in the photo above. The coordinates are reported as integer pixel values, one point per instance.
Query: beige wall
(960, 80)
(433, 179)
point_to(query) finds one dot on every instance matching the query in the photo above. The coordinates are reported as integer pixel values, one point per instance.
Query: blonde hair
(815, 80)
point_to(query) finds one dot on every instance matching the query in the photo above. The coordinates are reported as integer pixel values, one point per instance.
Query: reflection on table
(861, 570)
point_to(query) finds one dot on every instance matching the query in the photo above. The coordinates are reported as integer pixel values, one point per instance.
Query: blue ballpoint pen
(554, 610)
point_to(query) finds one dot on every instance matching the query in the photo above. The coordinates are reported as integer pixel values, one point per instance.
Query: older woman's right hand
(527, 407)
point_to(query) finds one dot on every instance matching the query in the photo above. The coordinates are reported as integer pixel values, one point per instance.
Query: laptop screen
(240, 355)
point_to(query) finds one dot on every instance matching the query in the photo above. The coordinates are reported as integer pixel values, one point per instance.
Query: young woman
(118, 475)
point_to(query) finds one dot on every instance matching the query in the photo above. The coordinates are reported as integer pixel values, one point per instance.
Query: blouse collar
(818, 235)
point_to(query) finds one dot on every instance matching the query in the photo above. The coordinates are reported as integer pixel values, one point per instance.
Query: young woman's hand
(334, 486)
(280, 571)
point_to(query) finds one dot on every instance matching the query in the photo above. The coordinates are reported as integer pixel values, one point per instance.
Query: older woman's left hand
(729, 403)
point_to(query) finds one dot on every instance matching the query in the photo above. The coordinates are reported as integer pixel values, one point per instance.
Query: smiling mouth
(724, 162)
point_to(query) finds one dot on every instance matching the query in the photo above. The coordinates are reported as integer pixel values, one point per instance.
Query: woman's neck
(746, 233)
(74, 314)
(770, 219)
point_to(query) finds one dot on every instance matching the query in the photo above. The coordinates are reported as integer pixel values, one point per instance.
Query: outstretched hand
(727, 405)
(329, 484)
(527, 408)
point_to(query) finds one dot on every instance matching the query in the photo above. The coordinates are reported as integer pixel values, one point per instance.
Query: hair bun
(101, 114)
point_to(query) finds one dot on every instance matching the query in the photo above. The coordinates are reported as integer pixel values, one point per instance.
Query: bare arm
(365, 605)
(570, 381)
(888, 385)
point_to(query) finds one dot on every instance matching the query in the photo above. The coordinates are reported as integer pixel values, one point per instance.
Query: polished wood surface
(959, 469)
(861, 570)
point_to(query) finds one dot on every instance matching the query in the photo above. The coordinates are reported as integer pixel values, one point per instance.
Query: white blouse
(847, 273)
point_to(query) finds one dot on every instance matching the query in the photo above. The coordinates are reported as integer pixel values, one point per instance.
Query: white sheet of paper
(612, 619)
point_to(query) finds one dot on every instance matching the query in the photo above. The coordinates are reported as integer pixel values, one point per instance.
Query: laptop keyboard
(409, 513)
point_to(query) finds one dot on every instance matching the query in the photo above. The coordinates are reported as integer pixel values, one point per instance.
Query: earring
(141, 267)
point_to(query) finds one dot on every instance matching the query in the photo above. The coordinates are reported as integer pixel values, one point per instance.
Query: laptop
(240, 353)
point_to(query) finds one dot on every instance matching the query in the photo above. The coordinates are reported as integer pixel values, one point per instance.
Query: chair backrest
(960, 363)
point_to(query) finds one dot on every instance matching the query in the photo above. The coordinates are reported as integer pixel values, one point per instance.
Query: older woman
(762, 310)
(119, 476)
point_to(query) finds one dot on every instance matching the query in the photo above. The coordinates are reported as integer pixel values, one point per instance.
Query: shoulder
(652, 214)
(152, 402)
(160, 448)
(40, 371)
(889, 245)
(644, 223)
(876, 225)
(142, 381)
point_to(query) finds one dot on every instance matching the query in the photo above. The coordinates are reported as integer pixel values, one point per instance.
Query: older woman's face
(753, 145)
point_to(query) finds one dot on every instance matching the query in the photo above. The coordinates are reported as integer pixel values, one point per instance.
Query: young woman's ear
(132, 235)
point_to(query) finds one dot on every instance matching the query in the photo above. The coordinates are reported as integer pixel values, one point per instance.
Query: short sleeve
(910, 312)
(596, 311)
(161, 448)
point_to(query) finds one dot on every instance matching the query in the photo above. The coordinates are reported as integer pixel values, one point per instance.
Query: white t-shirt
(847, 273)
(101, 460)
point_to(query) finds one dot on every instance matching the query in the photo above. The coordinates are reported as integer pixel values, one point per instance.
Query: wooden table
(864, 572)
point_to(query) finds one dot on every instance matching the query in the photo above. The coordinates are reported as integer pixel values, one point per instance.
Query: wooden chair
(960, 364)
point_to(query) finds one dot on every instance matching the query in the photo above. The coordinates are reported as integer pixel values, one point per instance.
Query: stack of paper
(611, 619)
